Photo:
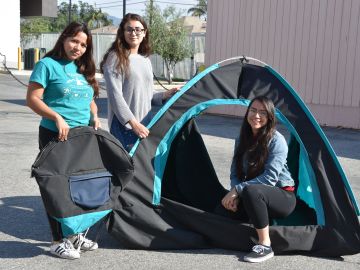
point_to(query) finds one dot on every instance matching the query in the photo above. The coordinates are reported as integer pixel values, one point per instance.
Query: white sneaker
(86, 244)
(65, 250)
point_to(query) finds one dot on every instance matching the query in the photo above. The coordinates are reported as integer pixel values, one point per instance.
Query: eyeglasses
(138, 31)
(262, 113)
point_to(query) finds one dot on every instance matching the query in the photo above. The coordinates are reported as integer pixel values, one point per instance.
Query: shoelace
(81, 238)
(258, 249)
(68, 244)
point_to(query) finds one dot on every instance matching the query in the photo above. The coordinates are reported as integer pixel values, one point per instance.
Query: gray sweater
(131, 97)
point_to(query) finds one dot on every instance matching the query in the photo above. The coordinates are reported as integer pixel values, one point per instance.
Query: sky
(115, 8)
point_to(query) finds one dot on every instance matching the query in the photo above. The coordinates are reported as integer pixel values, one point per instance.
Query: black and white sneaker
(84, 243)
(259, 253)
(65, 250)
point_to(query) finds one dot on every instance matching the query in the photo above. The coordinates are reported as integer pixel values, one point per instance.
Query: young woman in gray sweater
(129, 81)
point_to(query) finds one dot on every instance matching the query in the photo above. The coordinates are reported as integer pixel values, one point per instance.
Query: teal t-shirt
(66, 91)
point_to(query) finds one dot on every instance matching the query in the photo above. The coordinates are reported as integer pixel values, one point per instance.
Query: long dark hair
(86, 62)
(256, 148)
(121, 48)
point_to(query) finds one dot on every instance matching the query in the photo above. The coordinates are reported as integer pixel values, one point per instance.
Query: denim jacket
(276, 172)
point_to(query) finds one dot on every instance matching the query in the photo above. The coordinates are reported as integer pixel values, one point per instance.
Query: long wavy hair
(255, 147)
(85, 63)
(122, 49)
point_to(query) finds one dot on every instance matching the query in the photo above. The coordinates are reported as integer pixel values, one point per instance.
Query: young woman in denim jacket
(261, 184)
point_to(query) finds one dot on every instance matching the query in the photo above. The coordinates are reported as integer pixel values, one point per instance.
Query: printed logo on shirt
(76, 86)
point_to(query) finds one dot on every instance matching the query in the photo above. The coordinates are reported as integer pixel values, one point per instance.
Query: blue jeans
(127, 137)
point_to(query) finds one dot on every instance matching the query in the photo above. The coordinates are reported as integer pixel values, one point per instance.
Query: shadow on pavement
(23, 217)
(21, 102)
(17, 249)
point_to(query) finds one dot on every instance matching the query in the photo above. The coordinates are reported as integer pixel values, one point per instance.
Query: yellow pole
(36, 56)
(19, 59)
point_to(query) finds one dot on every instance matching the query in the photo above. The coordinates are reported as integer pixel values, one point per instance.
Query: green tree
(33, 27)
(62, 20)
(97, 19)
(168, 36)
(199, 10)
(81, 12)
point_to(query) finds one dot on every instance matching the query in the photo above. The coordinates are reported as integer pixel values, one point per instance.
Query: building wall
(46, 8)
(9, 32)
(313, 44)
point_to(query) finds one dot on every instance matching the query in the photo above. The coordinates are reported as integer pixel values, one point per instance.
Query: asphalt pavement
(24, 231)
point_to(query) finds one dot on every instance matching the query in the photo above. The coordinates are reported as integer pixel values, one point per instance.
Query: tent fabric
(81, 178)
(172, 165)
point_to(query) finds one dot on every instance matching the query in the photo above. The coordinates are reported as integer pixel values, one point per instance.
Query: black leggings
(45, 136)
(259, 203)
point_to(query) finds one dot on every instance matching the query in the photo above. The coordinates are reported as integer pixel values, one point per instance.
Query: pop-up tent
(170, 202)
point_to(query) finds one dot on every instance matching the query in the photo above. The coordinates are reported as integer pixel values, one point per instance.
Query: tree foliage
(199, 10)
(33, 27)
(81, 12)
(168, 36)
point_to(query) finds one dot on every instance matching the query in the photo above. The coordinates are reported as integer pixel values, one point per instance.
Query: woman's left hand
(230, 201)
(96, 122)
(169, 93)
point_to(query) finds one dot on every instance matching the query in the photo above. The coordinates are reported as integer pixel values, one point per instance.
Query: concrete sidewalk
(24, 232)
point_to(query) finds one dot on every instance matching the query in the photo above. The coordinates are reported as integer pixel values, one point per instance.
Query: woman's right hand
(139, 129)
(63, 128)
(231, 200)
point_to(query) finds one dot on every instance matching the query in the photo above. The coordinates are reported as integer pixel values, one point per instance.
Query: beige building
(110, 29)
(313, 44)
(194, 24)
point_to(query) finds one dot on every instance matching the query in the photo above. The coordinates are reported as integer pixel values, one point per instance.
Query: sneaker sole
(64, 257)
(90, 249)
(260, 259)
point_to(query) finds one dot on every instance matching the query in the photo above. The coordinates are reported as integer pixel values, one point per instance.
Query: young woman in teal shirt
(62, 88)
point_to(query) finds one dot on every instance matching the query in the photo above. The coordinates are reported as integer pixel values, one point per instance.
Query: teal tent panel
(78, 224)
(322, 135)
(307, 190)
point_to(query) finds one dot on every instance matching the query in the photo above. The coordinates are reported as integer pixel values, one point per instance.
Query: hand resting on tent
(231, 200)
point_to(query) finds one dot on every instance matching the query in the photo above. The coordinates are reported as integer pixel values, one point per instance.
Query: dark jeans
(46, 136)
(127, 137)
(259, 203)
